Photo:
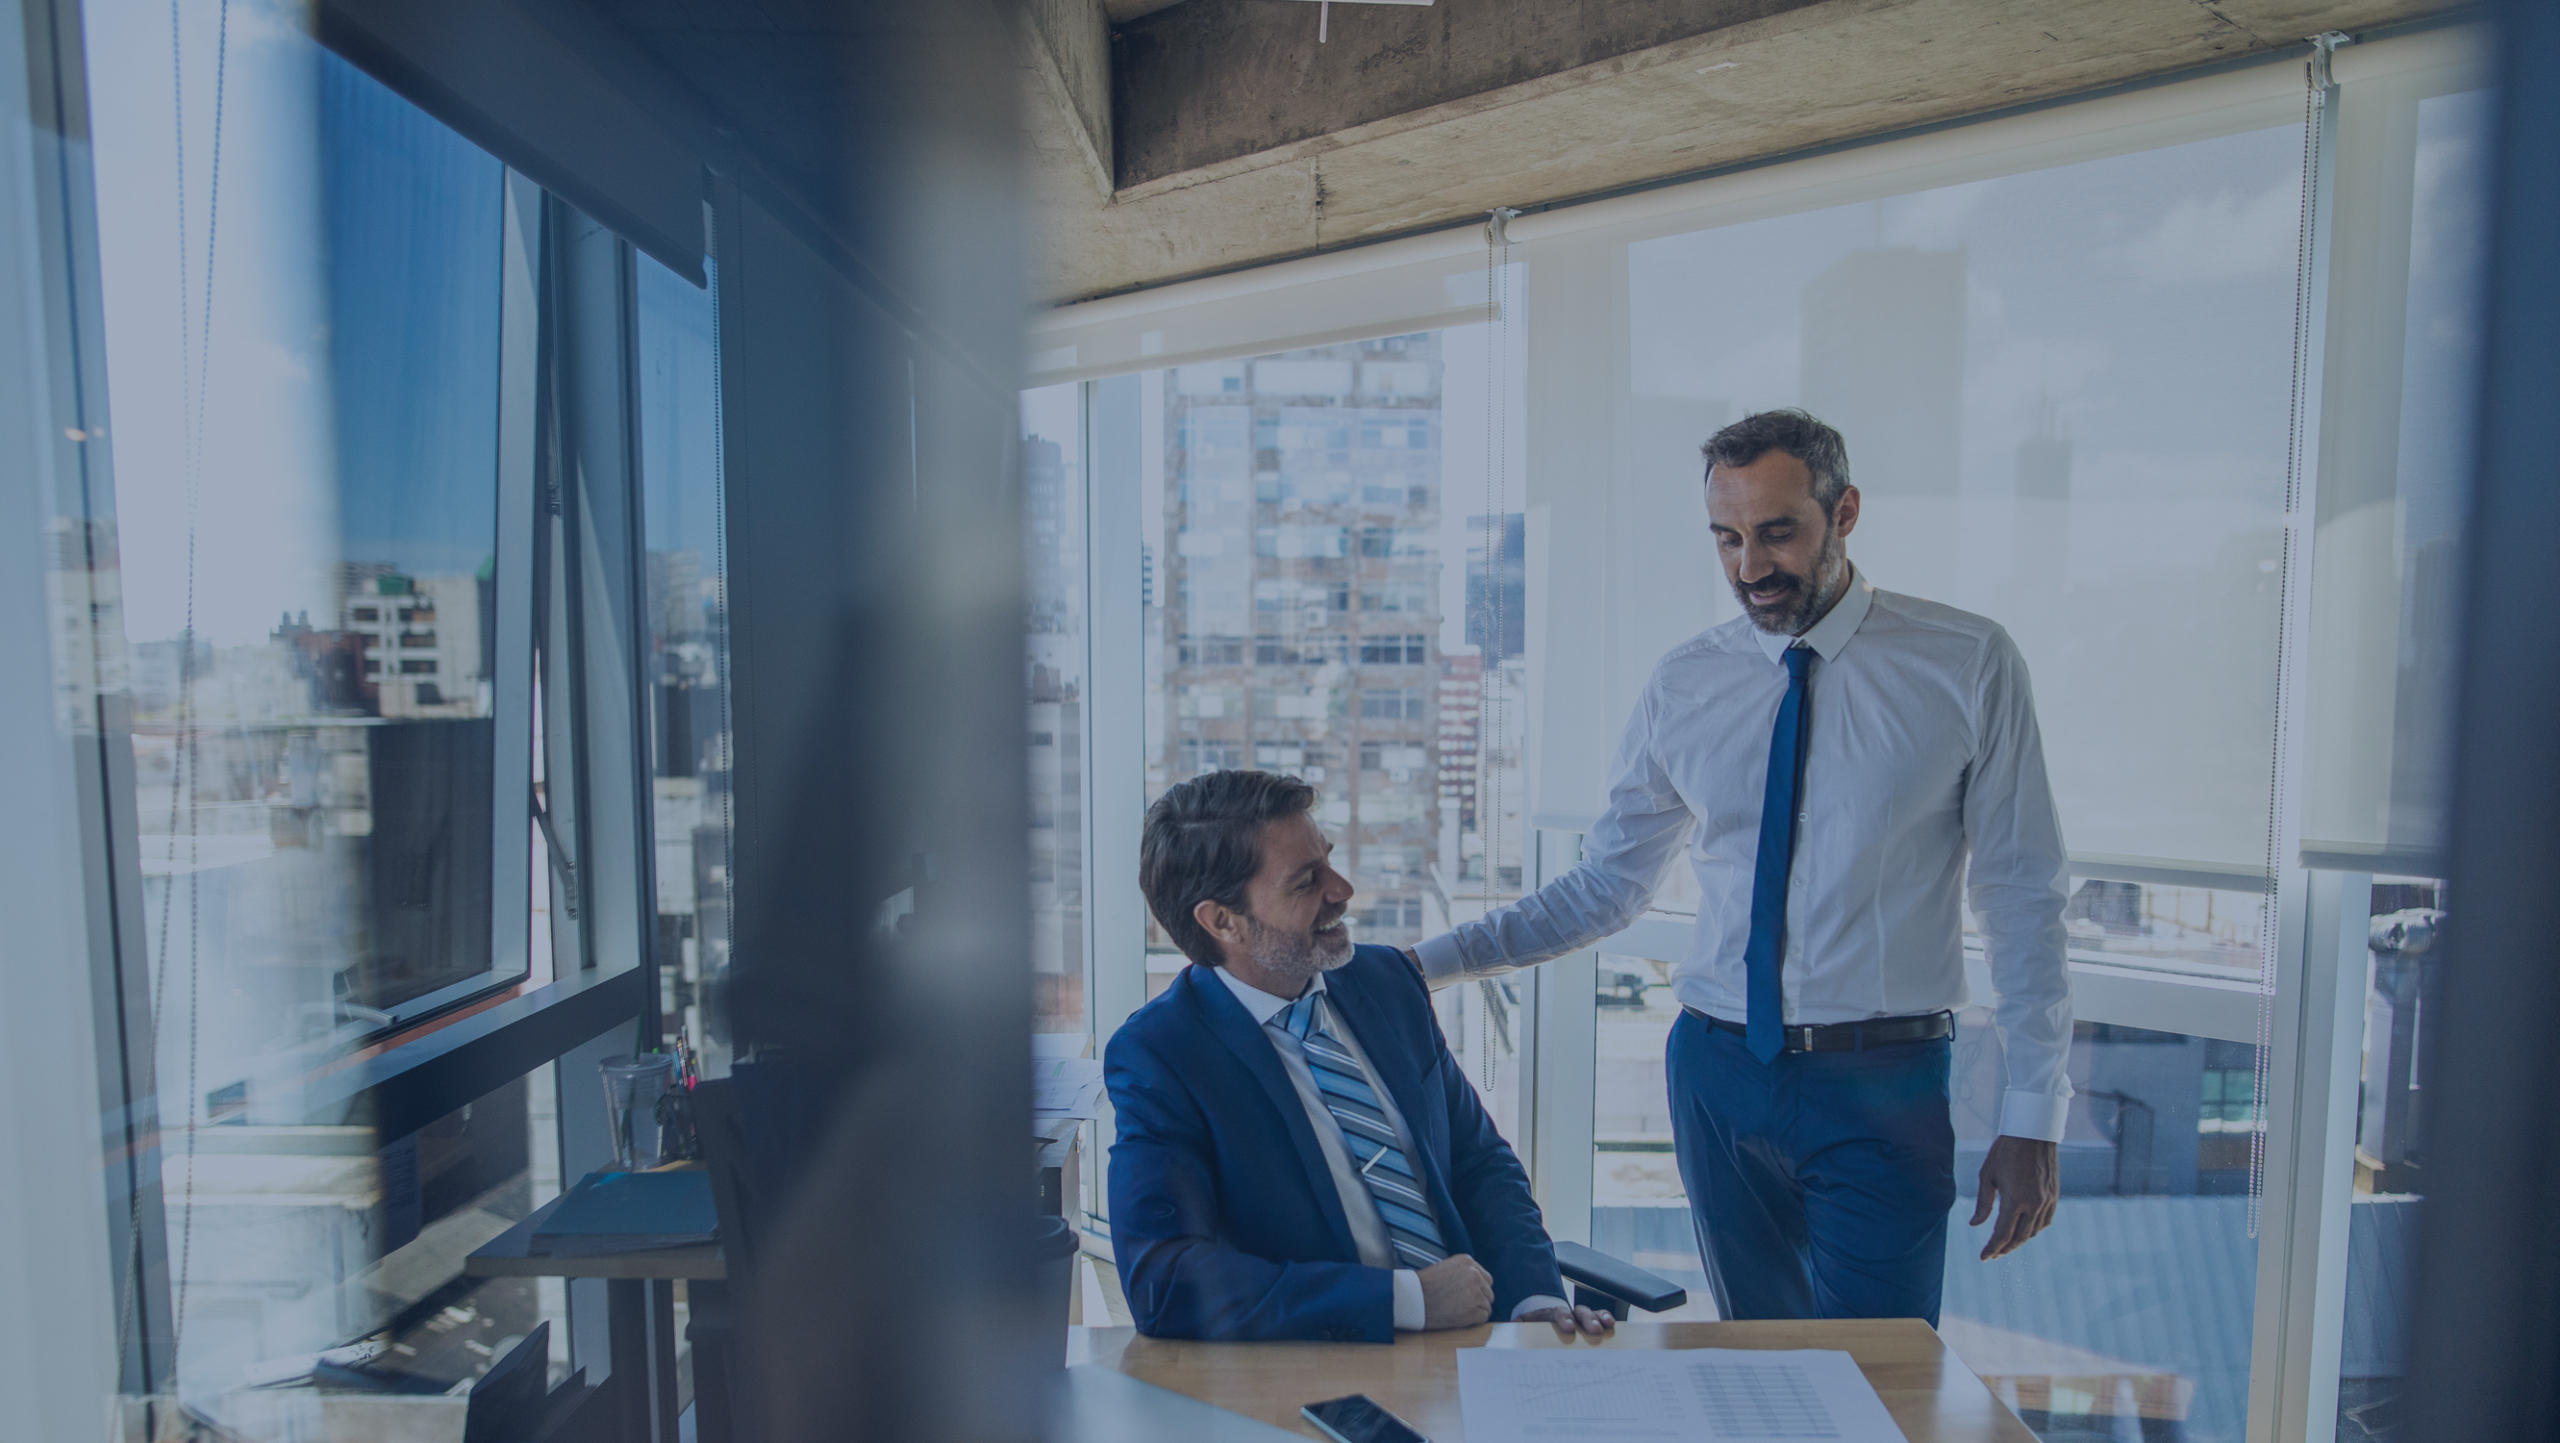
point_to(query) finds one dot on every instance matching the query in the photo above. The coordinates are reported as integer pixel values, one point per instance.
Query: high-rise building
(420, 640)
(1884, 363)
(1302, 592)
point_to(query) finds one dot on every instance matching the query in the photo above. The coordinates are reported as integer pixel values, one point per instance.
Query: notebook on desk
(629, 1212)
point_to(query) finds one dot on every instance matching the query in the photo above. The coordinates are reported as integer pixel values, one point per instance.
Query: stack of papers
(630, 1212)
(1628, 1395)
(1065, 1087)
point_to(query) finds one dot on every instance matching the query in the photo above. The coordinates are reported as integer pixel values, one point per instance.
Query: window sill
(427, 1077)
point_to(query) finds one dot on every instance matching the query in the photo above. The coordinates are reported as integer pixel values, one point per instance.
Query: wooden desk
(1931, 1394)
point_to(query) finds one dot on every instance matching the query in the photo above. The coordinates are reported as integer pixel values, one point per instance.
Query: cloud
(2222, 237)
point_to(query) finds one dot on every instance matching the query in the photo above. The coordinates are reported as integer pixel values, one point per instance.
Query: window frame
(2312, 1022)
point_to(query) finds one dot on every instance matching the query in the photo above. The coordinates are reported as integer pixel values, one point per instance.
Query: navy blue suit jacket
(1224, 1217)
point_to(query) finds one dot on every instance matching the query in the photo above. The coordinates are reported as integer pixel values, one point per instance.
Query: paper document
(1672, 1395)
(1066, 1086)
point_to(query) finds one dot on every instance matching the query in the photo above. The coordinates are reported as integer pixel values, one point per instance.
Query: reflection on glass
(2020, 367)
(2390, 1156)
(304, 371)
(2188, 931)
(2064, 396)
(2448, 256)
(689, 655)
(1330, 595)
(1053, 539)
(2129, 1317)
(2447, 246)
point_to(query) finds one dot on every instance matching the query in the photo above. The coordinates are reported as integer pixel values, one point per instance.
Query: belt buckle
(1800, 1038)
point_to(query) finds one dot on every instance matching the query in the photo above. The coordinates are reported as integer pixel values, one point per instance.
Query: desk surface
(510, 1255)
(1931, 1394)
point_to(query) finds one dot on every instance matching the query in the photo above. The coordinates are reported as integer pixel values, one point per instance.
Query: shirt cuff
(2036, 1116)
(1442, 962)
(1537, 1304)
(1408, 1301)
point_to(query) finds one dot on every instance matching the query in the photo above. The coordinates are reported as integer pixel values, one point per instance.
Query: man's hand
(1456, 1293)
(2026, 1175)
(1568, 1321)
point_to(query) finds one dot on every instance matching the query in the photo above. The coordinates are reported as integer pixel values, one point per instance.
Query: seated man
(1298, 1155)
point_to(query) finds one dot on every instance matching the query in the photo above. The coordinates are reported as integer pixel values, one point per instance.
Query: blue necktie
(1393, 1185)
(1765, 1026)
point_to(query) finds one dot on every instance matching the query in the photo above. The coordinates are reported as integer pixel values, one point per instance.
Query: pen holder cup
(633, 1087)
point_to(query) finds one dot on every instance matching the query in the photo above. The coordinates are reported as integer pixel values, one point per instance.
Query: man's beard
(1300, 955)
(1804, 601)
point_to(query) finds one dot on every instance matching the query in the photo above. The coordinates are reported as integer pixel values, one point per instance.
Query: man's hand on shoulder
(1456, 1293)
(2025, 1175)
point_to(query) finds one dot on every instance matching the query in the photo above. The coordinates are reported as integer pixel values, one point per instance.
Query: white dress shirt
(1924, 747)
(1368, 1229)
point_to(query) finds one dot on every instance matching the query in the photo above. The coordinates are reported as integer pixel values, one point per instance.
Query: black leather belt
(1852, 1036)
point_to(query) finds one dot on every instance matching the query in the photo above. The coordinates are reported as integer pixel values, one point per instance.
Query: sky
(332, 395)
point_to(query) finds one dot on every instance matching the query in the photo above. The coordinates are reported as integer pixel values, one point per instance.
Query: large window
(2105, 378)
(688, 669)
(1334, 590)
(2397, 807)
(303, 334)
(1054, 642)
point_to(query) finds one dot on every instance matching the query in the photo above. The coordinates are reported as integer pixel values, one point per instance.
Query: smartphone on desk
(1357, 1419)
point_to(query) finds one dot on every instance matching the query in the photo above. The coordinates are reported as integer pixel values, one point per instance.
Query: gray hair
(1795, 432)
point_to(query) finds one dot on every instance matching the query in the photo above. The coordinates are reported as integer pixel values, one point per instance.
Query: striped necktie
(1398, 1190)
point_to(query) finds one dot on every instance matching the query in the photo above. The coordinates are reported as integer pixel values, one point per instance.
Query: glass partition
(302, 286)
(1336, 589)
(2004, 357)
(2406, 789)
(2129, 1317)
(2064, 350)
(688, 675)
(1054, 640)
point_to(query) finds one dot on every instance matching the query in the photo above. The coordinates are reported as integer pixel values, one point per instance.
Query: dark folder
(629, 1212)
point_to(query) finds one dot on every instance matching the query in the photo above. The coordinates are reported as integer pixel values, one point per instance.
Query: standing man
(1831, 758)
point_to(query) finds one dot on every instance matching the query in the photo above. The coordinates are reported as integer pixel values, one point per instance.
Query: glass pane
(297, 1238)
(2210, 932)
(2390, 1157)
(1336, 571)
(303, 357)
(2128, 1318)
(2448, 257)
(2446, 252)
(2000, 356)
(1639, 1207)
(308, 493)
(1053, 502)
(689, 651)
(2131, 1315)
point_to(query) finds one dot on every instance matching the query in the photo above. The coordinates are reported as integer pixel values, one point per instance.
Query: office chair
(1601, 1281)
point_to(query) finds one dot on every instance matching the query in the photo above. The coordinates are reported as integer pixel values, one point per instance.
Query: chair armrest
(1619, 1279)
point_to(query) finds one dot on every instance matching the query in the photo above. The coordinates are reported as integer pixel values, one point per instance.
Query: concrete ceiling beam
(1792, 77)
(1066, 45)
